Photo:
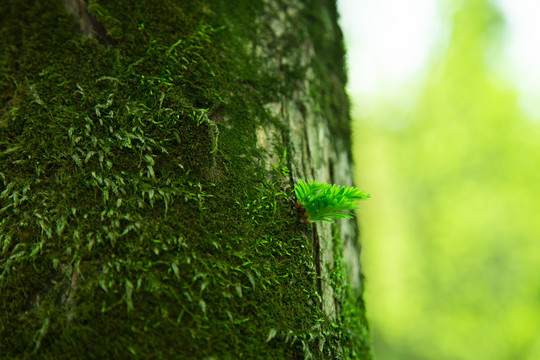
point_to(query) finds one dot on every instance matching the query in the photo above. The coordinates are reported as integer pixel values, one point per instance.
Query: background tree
(458, 265)
(147, 155)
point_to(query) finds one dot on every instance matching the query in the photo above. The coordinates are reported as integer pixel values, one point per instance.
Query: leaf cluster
(324, 202)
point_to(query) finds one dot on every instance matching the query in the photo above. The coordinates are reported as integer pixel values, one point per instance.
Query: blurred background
(446, 110)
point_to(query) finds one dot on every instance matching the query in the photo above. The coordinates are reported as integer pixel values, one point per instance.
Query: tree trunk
(148, 152)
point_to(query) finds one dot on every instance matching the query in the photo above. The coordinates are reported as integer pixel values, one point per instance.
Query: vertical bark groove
(88, 24)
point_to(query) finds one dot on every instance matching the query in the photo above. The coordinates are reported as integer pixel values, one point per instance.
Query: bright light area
(388, 42)
(522, 53)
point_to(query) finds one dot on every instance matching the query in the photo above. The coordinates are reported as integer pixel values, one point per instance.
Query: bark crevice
(88, 24)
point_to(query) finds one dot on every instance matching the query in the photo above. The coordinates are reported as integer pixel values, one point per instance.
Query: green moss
(133, 219)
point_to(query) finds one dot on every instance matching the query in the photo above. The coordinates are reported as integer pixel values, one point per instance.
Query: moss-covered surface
(135, 220)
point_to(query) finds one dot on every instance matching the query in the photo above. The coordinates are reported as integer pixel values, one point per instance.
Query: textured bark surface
(316, 151)
(148, 153)
(88, 24)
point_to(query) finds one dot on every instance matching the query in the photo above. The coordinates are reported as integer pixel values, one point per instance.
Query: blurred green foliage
(451, 247)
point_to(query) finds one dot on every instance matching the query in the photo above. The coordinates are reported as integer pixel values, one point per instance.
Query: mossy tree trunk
(148, 151)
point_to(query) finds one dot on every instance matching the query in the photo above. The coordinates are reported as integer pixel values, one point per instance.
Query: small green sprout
(319, 201)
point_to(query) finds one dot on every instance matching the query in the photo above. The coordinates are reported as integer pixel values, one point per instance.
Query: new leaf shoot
(325, 202)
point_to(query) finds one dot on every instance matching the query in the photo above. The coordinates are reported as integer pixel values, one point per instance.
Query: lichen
(134, 220)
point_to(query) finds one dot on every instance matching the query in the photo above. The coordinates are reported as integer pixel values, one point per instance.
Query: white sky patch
(388, 42)
(522, 51)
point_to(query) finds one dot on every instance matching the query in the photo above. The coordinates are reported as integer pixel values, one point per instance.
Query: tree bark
(148, 153)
